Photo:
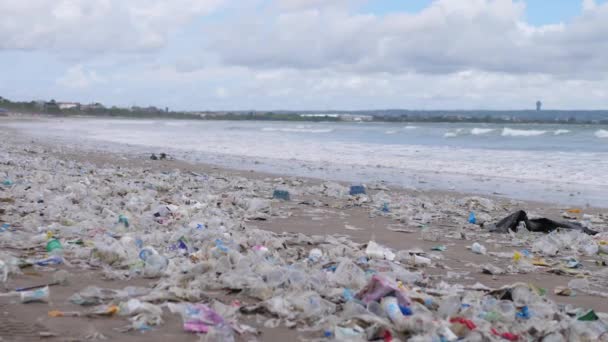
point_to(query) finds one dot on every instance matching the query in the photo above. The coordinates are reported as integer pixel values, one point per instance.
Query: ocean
(556, 163)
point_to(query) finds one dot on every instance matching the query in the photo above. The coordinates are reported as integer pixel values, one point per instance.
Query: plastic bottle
(155, 265)
(478, 248)
(391, 308)
(53, 260)
(315, 255)
(420, 260)
(3, 271)
(38, 295)
(54, 247)
(147, 251)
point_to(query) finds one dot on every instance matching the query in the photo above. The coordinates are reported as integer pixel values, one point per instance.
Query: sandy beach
(77, 195)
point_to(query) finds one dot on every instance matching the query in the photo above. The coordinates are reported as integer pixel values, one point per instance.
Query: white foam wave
(481, 131)
(561, 131)
(601, 133)
(392, 131)
(297, 130)
(453, 134)
(410, 127)
(509, 132)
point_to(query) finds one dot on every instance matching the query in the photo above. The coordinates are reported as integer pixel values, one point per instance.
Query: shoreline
(563, 194)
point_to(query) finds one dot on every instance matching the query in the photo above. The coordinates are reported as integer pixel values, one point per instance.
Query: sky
(307, 54)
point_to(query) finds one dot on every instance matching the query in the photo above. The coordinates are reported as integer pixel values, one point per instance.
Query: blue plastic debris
(281, 194)
(124, 220)
(524, 313)
(385, 208)
(405, 310)
(357, 190)
(472, 218)
(348, 295)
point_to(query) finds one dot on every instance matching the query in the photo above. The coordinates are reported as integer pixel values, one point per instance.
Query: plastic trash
(511, 222)
(53, 260)
(478, 248)
(357, 190)
(39, 295)
(281, 194)
(472, 218)
(420, 260)
(392, 310)
(197, 318)
(122, 219)
(3, 271)
(315, 255)
(376, 251)
(54, 246)
(155, 265)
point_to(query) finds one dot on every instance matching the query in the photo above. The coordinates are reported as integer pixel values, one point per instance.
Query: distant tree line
(390, 115)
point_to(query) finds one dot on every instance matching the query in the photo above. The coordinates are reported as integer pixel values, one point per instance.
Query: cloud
(78, 77)
(95, 25)
(304, 54)
(448, 36)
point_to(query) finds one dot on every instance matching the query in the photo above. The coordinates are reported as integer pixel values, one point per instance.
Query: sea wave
(561, 131)
(481, 131)
(452, 134)
(601, 133)
(410, 127)
(297, 130)
(509, 132)
(392, 131)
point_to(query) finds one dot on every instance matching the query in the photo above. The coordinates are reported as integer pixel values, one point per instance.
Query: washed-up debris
(357, 190)
(545, 225)
(478, 248)
(281, 194)
(39, 295)
(191, 236)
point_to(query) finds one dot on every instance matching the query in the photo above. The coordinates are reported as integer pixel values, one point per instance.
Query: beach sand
(327, 216)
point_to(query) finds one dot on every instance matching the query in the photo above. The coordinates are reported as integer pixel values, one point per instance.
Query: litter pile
(189, 234)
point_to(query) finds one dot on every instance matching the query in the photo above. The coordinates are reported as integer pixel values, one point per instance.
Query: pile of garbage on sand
(189, 234)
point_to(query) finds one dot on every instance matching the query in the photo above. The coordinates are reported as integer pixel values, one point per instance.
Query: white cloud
(95, 25)
(312, 54)
(448, 36)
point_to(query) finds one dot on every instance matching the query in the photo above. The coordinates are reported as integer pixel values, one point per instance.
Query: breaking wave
(509, 132)
(481, 131)
(561, 131)
(410, 127)
(391, 132)
(452, 134)
(601, 133)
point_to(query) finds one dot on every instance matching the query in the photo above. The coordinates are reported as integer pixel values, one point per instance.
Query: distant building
(539, 106)
(93, 106)
(320, 115)
(68, 105)
(353, 117)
